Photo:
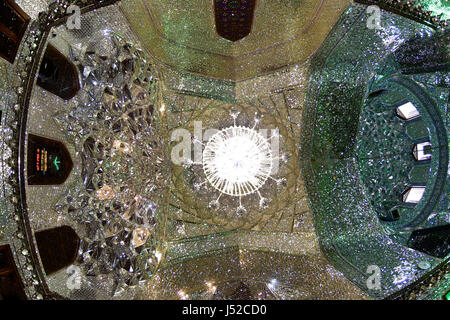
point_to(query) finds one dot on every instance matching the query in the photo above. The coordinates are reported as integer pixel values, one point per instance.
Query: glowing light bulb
(183, 295)
(162, 108)
(158, 255)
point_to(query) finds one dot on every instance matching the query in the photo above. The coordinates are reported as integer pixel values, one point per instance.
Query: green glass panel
(417, 130)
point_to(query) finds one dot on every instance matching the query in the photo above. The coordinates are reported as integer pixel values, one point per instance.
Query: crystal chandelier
(237, 161)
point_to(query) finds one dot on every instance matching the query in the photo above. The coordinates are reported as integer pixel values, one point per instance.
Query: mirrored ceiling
(217, 150)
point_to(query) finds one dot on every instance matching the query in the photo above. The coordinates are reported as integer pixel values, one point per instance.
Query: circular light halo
(237, 161)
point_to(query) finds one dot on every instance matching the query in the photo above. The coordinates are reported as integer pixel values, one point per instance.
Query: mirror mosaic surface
(326, 129)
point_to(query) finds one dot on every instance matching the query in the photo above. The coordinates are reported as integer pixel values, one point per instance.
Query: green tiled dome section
(385, 144)
(437, 7)
(348, 178)
(384, 155)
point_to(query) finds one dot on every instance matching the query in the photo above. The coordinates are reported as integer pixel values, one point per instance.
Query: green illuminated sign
(56, 162)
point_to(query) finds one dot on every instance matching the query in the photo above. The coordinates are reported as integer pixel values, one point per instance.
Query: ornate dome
(224, 150)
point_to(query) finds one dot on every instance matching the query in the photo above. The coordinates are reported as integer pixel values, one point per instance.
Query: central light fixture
(237, 161)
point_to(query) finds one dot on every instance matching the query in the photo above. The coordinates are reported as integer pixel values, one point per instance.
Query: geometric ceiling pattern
(348, 101)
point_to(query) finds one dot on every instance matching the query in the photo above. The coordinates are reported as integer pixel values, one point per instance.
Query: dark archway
(13, 23)
(58, 75)
(234, 18)
(58, 248)
(11, 286)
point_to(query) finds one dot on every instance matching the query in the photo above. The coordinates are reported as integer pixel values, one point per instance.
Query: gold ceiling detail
(182, 35)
